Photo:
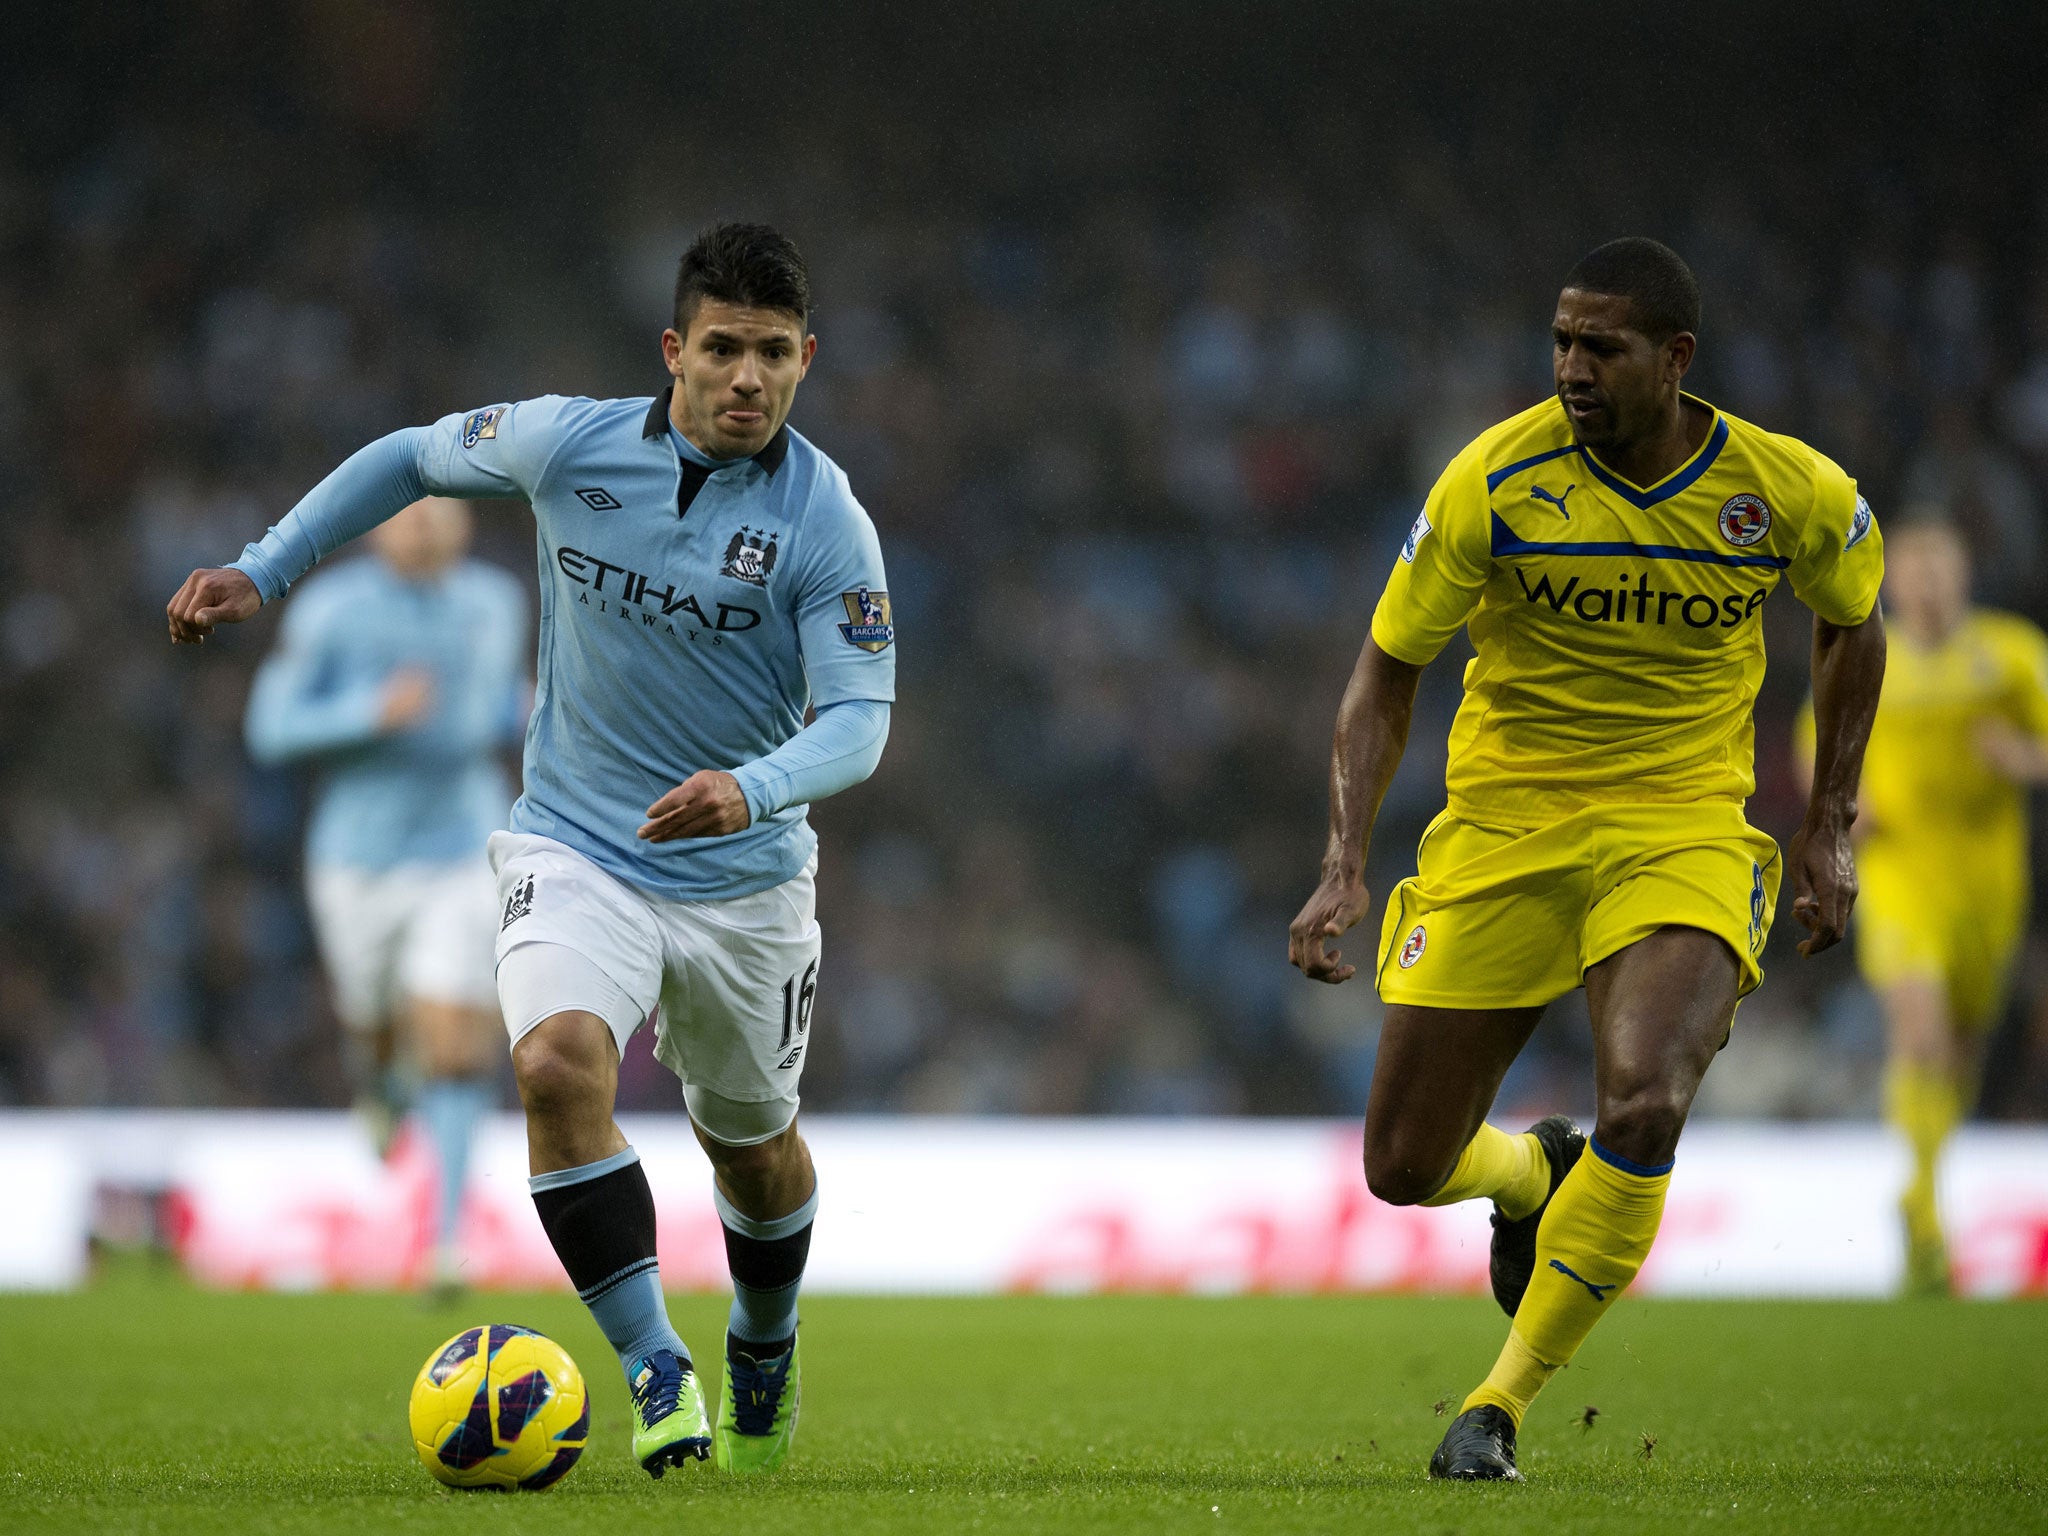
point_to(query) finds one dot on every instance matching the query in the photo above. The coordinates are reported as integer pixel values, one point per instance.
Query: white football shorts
(413, 931)
(728, 984)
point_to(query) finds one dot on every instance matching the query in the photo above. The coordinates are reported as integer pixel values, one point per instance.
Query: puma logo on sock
(1563, 1269)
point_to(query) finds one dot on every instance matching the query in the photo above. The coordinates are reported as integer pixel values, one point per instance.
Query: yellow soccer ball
(499, 1406)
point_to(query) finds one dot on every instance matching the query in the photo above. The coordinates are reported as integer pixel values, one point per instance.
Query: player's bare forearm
(1848, 674)
(1372, 733)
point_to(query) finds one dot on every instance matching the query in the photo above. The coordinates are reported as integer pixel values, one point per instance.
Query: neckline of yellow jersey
(1679, 479)
(1695, 465)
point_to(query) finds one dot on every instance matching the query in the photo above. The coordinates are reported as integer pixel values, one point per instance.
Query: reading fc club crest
(1744, 520)
(871, 628)
(1418, 941)
(750, 557)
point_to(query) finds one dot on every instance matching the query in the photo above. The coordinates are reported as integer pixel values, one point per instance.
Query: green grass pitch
(143, 1405)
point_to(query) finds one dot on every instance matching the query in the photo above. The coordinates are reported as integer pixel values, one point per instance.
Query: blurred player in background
(401, 678)
(707, 578)
(1609, 550)
(1942, 846)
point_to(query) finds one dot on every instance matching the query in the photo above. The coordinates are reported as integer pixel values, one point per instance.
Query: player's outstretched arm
(488, 453)
(1848, 673)
(1372, 732)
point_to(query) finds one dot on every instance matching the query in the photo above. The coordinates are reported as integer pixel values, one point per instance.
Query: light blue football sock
(634, 1316)
(449, 1108)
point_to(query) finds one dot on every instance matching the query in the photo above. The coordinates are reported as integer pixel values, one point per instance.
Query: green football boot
(668, 1414)
(757, 1408)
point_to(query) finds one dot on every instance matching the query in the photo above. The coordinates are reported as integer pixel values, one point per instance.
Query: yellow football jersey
(1619, 644)
(1925, 783)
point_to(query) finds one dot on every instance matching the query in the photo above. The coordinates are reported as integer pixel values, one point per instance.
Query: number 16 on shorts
(798, 993)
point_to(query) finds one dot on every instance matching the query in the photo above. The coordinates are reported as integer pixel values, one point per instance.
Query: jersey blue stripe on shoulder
(1670, 488)
(1507, 542)
(1493, 481)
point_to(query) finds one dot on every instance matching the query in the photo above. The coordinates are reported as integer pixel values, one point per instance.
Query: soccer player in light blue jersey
(707, 579)
(401, 678)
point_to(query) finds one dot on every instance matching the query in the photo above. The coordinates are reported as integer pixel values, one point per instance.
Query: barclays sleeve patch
(1416, 535)
(870, 626)
(1859, 525)
(479, 425)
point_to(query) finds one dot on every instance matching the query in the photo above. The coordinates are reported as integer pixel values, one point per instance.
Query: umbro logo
(598, 499)
(518, 904)
(791, 1059)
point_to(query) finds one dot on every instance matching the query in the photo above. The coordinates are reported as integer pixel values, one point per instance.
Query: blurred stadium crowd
(1142, 383)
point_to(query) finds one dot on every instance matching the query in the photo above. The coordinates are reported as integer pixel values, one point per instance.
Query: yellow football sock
(1509, 1170)
(1594, 1238)
(1924, 1104)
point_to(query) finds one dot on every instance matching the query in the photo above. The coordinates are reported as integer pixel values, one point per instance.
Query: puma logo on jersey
(1537, 493)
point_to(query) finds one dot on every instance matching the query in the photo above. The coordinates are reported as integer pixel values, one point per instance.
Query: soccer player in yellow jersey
(1942, 847)
(1608, 551)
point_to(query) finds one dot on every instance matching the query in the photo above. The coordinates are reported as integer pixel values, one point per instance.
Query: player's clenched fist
(1338, 903)
(221, 595)
(706, 804)
(1824, 881)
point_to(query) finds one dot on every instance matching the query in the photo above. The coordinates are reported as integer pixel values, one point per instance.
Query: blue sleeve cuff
(270, 586)
(836, 751)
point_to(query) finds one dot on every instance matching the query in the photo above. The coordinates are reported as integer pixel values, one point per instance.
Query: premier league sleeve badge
(869, 626)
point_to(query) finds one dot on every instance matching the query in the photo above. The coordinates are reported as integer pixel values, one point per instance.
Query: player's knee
(1397, 1177)
(557, 1075)
(756, 1164)
(1642, 1122)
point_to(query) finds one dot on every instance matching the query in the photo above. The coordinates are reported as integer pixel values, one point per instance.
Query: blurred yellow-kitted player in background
(1943, 848)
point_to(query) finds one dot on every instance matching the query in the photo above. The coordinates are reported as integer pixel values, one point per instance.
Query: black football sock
(767, 1262)
(600, 1218)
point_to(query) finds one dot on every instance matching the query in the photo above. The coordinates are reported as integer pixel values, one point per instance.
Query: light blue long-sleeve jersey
(690, 613)
(433, 791)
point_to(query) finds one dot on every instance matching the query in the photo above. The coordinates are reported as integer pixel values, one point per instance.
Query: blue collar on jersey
(769, 458)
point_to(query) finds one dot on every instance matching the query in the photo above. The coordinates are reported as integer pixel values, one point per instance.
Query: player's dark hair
(752, 265)
(1651, 276)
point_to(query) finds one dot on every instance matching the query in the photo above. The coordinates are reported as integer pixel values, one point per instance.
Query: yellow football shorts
(1513, 918)
(1951, 915)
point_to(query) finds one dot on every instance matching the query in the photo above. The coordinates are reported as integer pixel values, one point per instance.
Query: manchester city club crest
(870, 627)
(750, 557)
(1744, 520)
(1418, 941)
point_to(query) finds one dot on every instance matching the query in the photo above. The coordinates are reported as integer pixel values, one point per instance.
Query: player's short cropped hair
(752, 265)
(1654, 279)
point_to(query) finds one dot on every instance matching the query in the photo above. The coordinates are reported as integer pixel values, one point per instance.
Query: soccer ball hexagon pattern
(499, 1406)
